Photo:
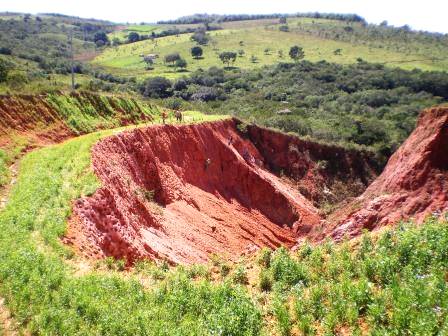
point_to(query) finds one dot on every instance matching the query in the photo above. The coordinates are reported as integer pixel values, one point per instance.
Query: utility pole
(70, 41)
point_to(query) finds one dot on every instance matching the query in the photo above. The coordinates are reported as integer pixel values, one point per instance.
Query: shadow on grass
(231, 68)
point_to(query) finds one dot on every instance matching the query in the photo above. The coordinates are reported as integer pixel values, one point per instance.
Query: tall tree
(196, 52)
(228, 57)
(172, 58)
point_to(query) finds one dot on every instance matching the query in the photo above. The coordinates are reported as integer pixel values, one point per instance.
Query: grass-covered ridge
(335, 41)
(85, 112)
(29, 119)
(392, 284)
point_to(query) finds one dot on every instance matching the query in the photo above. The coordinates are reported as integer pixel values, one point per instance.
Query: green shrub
(287, 270)
(265, 280)
(239, 275)
(264, 257)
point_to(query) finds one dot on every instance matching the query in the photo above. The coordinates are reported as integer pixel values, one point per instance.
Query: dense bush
(3, 70)
(363, 104)
(391, 285)
(156, 87)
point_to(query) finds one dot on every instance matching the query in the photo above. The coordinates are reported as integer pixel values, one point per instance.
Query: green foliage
(85, 112)
(395, 283)
(3, 70)
(133, 37)
(196, 52)
(365, 105)
(224, 269)
(228, 57)
(157, 87)
(265, 281)
(200, 37)
(296, 53)
(180, 63)
(43, 41)
(4, 171)
(240, 275)
(172, 58)
(264, 258)
(281, 313)
(286, 271)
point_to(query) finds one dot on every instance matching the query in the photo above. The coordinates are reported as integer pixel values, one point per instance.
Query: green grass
(4, 171)
(394, 284)
(122, 34)
(126, 60)
(85, 112)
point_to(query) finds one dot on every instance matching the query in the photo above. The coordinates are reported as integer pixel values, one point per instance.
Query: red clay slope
(322, 173)
(414, 183)
(210, 195)
(33, 116)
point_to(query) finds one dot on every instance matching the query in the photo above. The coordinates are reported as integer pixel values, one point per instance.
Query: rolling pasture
(263, 44)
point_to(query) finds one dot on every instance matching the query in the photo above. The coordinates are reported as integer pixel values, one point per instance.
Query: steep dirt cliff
(325, 174)
(31, 115)
(50, 118)
(182, 193)
(414, 184)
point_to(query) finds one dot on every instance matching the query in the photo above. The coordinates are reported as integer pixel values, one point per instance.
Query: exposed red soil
(213, 192)
(220, 190)
(414, 184)
(33, 117)
(320, 172)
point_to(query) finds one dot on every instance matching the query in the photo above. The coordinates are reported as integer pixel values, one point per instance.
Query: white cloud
(424, 15)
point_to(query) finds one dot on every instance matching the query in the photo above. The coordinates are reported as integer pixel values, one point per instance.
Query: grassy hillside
(320, 39)
(37, 54)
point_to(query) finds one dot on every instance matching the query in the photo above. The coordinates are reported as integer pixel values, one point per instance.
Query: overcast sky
(428, 15)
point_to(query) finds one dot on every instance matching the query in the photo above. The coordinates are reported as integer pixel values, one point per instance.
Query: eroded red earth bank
(182, 193)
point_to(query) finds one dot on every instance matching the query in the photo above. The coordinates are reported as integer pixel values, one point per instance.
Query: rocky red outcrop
(182, 193)
(414, 183)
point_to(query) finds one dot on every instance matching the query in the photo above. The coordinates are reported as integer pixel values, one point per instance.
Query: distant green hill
(263, 43)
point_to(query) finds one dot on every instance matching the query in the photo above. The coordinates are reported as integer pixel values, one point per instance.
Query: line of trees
(208, 18)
